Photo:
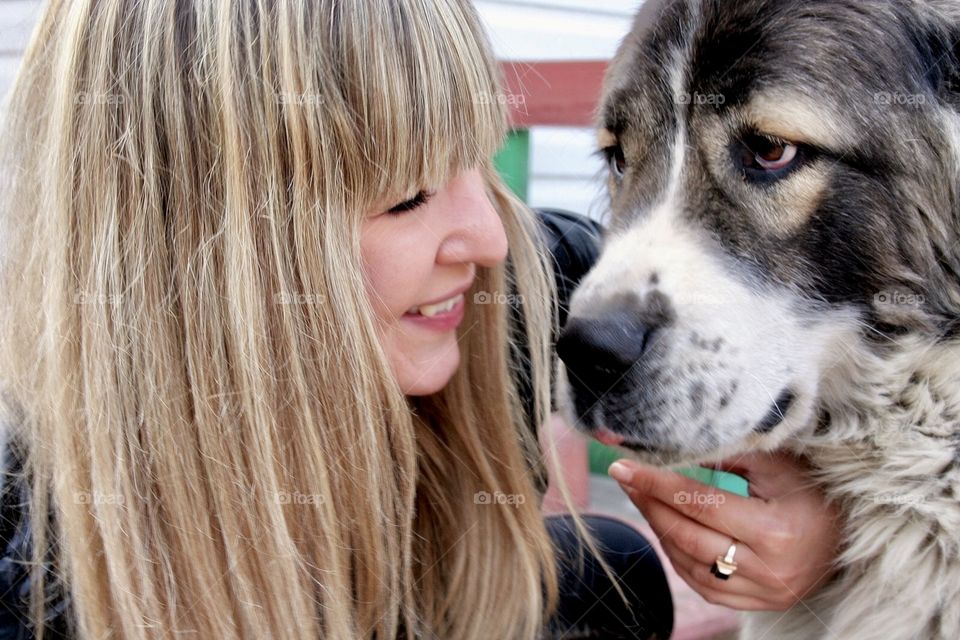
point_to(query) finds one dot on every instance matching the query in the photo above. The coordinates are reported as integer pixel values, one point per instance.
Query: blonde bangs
(424, 101)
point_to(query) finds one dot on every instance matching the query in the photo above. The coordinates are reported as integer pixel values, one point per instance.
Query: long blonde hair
(190, 360)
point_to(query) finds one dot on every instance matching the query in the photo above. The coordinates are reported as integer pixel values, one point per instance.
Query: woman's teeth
(430, 310)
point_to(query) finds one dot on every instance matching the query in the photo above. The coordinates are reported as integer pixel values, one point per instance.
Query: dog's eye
(616, 160)
(777, 156)
(763, 158)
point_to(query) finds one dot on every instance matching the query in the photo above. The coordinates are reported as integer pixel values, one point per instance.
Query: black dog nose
(598, 352)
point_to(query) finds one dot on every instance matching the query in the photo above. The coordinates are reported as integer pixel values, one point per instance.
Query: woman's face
(420, 259)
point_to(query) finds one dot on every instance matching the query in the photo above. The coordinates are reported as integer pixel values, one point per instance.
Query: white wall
(17, 18)
(564, 173)
(556, 29)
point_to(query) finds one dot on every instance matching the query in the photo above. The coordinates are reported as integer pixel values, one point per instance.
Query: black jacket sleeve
(573, 242)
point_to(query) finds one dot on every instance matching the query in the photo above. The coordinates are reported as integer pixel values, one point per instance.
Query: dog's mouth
(612, 439)
(608, 437)
(779, 411)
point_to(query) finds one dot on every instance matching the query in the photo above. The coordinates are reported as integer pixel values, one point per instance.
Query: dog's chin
(788, 416)
(657, 456)
(660, 456)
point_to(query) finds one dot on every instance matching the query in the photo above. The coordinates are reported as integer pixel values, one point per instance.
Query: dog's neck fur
(887, 450)
(912, 387)
(899, 410)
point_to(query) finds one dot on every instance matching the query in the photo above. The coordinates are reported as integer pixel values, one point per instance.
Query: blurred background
(561, 170)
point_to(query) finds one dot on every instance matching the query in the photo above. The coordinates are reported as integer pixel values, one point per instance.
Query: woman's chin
(428, 373)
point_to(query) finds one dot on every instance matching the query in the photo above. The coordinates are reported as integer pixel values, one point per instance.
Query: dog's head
(784, 186)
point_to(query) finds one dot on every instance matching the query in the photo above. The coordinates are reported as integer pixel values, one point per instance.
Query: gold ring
(724, 566)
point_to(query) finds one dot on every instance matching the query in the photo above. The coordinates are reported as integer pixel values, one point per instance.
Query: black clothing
(574, 245)
(590, 607)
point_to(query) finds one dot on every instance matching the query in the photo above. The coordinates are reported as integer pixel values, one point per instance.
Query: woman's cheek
(396, 266)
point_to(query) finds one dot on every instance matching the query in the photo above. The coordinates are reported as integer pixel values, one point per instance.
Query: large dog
(782, 269)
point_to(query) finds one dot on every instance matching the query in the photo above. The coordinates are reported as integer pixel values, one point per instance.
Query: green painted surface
(601, 457)
(721, 479)
(513, 162)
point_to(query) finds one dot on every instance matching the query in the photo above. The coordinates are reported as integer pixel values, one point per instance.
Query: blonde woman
(248, 393)
(250, 388)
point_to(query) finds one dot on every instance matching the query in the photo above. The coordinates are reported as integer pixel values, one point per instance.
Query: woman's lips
(446, 321)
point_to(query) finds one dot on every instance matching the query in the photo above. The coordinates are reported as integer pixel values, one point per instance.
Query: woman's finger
(716, 595)
(788, 530)
(771, 476)
(737, 584)
(701, 543)
(725, 512)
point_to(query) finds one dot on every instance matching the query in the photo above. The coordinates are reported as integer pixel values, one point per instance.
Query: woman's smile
(443, 315)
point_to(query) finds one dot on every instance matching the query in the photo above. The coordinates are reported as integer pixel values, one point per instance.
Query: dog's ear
(947, 69)
(939, 48)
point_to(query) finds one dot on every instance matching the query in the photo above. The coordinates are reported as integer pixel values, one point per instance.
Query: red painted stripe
(552, 93)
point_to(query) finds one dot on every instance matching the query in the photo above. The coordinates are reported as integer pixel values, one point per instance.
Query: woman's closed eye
(409, 205)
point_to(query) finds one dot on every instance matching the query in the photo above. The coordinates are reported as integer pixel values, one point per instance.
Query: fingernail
(620, 472)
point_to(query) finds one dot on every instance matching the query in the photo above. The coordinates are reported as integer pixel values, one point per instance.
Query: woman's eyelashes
(417, 201)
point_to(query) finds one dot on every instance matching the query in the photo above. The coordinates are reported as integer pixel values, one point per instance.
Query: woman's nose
(476, 234)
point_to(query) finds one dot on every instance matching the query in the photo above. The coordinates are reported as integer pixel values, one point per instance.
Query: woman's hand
(787, 535)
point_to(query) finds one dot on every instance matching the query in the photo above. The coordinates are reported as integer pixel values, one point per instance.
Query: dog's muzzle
(614, 359)
(632, 383)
